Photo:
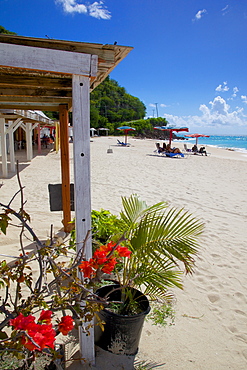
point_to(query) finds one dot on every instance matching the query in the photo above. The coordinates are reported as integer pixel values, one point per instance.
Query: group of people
(200, 151)
(166, 148)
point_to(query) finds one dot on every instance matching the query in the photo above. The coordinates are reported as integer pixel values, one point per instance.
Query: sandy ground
(210, 330)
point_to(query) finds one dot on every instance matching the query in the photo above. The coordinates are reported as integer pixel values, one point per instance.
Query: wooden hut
(55, 75)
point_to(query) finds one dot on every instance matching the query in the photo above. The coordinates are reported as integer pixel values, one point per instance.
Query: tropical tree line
(110, 104)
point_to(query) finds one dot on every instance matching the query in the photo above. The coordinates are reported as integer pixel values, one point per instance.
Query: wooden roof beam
(20, 56)
(20, 91)
(14, 78)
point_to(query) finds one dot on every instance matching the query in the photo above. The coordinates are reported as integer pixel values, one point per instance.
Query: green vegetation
(6, 32)
(163, 241)
(162, 314)
(111, 105)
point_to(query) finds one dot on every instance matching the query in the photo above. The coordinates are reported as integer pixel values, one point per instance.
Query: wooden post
(64, 122)
(29, 146)
(10, 130)
(39, 139)
(82, 194)
(11, 148)
(3, 148)
(57, 136)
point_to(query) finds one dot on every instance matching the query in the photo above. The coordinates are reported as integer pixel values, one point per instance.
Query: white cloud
(235, 90)
(96, 9)
(223, 87)
(219, 106)
(225, 10)
(244, 98)
(152, 105)
(71, 6)
(215, 117)
(163, 105)
(199, 14)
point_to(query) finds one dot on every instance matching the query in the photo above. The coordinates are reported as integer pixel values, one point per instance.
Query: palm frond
(161, 239)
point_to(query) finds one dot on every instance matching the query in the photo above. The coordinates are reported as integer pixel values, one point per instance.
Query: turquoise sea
(238, 143)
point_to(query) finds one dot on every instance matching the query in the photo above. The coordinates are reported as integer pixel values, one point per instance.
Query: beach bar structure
(10, 121)
(55, 75)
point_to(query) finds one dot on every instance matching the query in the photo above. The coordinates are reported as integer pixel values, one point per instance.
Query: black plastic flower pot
(121, 334)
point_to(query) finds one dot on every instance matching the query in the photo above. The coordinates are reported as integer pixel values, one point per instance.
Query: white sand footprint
(213, 298)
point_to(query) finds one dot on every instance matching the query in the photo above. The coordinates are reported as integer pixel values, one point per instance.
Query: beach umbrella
(196, 136)
(126, 129)
(171, 129)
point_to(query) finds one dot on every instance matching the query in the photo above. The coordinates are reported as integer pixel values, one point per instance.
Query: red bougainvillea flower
(107, 248)
(42, 335)
(45, 317)
(123, 251)
(21, 322)
(66, 325)
(86, 268)
(109, 266)
(103, 259)
(100, 257)
(48, 334)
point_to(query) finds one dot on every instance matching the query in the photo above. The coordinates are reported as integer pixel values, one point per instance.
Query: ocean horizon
(237, 143)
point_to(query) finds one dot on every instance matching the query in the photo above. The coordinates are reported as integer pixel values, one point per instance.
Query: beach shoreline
(210, 329)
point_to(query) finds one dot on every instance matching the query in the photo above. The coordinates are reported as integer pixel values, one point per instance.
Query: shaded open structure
(11, 122)
(55, 75)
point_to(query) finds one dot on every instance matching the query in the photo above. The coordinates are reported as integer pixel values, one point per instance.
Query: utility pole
(157, 109)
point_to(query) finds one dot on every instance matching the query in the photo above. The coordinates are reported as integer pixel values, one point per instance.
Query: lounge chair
(187, 149)
(171, 155)
(159, 149)
(167, 154)
(200, 151)
(122, 143)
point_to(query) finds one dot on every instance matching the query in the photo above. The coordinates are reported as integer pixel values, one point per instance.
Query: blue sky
(189, 58)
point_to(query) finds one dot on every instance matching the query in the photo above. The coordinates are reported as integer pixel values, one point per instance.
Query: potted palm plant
(163, 243)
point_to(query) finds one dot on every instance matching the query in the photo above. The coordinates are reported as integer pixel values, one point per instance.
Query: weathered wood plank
(64, 145)
(19, 91)
(12, 79)
(29, 57)
(81, 127)
(34, 106)
(105, 52)
(33, 99)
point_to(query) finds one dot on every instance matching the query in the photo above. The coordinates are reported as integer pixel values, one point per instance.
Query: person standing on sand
(71, 132)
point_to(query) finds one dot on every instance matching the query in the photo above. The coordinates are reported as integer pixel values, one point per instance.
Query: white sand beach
(210, 328)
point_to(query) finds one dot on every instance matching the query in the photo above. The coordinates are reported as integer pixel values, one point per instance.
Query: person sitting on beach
(202, 150)
(194, 149)
(159, 149)
(172, 150)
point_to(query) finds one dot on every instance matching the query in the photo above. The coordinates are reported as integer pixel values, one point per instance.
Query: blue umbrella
(126, 129)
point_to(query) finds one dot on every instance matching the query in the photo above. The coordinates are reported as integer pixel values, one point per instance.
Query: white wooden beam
(82, 193)
(3, 148)
(21, 56)
(11, 147)
(13, 126)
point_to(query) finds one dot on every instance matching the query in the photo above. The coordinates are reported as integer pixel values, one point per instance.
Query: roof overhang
(37, 73)
(26, 116)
